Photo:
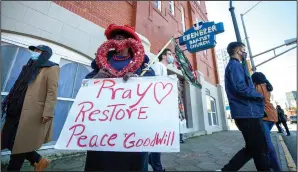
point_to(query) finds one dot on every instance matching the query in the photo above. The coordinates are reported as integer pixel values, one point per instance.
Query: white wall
(47, 20)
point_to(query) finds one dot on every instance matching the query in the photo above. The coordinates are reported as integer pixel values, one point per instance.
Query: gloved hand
(104, 73)
(128, 75)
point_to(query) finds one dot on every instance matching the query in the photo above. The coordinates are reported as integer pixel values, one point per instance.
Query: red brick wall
(102, 13)
(157, 26)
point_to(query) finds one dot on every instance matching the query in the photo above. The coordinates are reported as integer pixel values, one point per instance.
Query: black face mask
(244, 56)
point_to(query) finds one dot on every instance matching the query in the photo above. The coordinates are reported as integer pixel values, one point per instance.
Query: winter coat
(244, 100)
(269, 108)
(40, 101)
(281, 115)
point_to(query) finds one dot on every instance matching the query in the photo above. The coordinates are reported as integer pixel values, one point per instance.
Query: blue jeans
(274, 163)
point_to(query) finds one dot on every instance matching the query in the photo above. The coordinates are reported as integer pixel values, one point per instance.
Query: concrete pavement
(291, 141)
(203, 153)
(211, 152)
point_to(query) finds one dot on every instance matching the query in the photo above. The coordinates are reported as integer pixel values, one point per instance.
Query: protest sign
(140, 115)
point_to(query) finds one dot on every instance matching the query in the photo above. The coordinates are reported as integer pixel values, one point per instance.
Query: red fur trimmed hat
(116, 28)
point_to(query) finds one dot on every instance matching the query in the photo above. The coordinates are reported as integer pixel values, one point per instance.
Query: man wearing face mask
(165, 58)
(29, 109)
(247, 109)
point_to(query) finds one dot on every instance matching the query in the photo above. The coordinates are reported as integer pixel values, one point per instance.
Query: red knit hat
(127, 29)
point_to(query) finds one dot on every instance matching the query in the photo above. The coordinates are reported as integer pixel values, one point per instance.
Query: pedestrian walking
(282, 120)
(29, 109)
(108, 160)
(247, 109)
(264, 87)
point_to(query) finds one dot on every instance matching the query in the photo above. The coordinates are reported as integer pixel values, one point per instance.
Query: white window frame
(182, 19)
(58, 54)
(158, 5)
(211, 99)
(13, 41)
(172, 7)
(205, 52)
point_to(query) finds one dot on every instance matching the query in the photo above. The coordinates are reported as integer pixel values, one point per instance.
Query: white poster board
(140, 115)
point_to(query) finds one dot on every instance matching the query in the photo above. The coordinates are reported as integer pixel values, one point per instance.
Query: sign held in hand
(140, 115)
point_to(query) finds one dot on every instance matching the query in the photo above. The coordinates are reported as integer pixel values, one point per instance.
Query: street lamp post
(237, 33)
(247, 41)
(248, 45)
(287, 43)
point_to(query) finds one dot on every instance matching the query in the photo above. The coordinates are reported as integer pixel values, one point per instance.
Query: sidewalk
(211, 152)
(203, 153)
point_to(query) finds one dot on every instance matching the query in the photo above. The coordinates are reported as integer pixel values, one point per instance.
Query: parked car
(293, 119)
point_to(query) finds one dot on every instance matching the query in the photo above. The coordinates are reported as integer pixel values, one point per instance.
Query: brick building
(74, 30)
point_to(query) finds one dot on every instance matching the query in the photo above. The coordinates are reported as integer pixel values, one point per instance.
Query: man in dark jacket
(282, 120)
(247, 109)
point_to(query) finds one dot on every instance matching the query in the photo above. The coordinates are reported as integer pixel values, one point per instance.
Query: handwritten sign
(140, 115)
(201, 37)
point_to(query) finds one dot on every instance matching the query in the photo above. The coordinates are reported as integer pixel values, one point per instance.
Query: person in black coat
(282, 119)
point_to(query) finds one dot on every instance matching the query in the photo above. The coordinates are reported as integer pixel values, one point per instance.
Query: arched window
(13, 59)
(72, 73)
(71, 76)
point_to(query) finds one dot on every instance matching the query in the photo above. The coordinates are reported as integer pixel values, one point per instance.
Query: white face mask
(170, 59)
(35, 55)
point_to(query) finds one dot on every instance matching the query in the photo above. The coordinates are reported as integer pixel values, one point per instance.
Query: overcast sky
(267, 25)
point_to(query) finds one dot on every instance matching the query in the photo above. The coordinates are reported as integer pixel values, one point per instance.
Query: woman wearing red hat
(126, 60)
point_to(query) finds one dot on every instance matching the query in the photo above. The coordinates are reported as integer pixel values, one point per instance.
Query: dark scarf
(95, 70)
(260, 78)
(28, 74)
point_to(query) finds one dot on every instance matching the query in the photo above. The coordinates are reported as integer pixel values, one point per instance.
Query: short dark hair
(164, 53)
(232, 46)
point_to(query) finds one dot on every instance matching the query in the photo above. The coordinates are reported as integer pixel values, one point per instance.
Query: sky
(267, 26)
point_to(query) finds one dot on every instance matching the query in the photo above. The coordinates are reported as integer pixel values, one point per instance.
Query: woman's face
(121, 37)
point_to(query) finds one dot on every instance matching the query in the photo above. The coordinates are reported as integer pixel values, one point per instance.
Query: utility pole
(237, 33)
(247, 41)
(248, 46)
(232, 10)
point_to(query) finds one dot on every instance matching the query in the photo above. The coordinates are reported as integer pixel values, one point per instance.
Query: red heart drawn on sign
(163, 91)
